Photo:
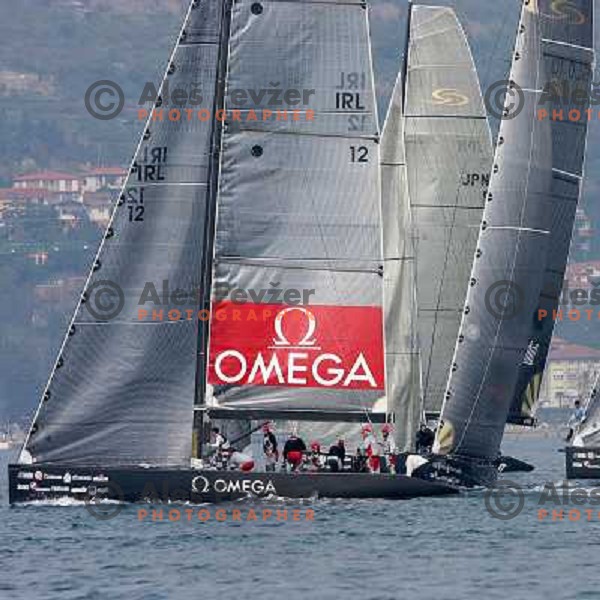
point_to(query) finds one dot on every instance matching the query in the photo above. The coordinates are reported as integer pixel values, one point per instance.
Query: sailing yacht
(523, 246)
(304, 240)
(583, 453)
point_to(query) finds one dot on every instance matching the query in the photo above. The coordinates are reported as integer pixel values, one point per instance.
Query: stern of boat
(582, 462)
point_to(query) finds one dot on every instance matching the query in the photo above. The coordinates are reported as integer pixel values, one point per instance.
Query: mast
(210, 226)
(402, 355)
(404, 71)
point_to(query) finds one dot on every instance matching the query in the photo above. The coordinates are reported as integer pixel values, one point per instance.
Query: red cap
(315, 446)
(367, 428)
(386, 428)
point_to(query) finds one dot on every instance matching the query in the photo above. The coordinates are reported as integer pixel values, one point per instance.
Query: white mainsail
(449, 156)
(436, 160)
(298, 209)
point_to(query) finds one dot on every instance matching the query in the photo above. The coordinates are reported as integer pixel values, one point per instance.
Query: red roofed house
(51, 181)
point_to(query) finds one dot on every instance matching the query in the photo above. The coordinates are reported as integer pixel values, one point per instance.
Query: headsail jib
(122, 390)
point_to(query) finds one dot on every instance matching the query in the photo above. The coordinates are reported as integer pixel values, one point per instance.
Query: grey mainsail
(449, 156)
(403, 386)
(508, 270)
(298, 210)
(568, 54)
(122, 389)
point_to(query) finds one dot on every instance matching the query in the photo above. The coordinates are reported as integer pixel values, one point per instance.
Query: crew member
(293, 451)
(388, 450)
(337, 454)
(577, 417)
(220, 448)
(219, 441)
(314, 463)
(370, 448)
(270, 448)
(425, 439)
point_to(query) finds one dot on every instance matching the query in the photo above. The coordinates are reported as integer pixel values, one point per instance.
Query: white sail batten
(298, 211)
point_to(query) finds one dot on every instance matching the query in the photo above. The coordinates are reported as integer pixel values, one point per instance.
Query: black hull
(509, 464)
(582, 463)
(136, 484)
(457, 471)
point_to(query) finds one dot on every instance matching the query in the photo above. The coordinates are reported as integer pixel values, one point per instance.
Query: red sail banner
(334, 347)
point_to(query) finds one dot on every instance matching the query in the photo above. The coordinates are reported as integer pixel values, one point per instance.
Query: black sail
(568, 56)
(123, 387)
(508, 268)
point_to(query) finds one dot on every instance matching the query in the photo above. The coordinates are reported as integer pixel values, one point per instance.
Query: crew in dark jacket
(293, 451)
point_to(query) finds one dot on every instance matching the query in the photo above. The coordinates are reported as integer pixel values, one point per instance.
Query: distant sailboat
(6, 439)
(583, 454)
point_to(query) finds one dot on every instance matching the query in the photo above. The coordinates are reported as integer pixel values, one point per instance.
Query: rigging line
(357, 3)
(457, 117)
(324, 269)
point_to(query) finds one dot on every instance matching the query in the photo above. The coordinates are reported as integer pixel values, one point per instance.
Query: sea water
(438, 548)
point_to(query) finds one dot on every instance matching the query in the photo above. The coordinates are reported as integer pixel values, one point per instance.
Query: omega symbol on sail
(308, 340)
